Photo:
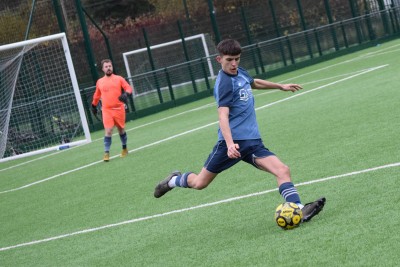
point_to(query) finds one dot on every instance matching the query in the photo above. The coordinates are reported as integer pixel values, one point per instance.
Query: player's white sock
(171, 182)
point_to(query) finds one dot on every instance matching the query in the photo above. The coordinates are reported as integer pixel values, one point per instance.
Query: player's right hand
(94, 110)
(233, 151)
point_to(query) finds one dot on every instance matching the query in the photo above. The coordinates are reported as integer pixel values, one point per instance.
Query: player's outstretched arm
(264, 84)
(291, 87)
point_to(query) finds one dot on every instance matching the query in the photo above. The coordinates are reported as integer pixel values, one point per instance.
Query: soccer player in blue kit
(238, 135)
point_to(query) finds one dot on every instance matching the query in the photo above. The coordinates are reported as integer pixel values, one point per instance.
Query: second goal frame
(202, 38)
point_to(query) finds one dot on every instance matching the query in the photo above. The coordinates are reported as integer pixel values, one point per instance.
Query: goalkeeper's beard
(109, 73)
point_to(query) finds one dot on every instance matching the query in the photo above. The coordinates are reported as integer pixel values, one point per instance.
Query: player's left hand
(291, 87)
(123, 97)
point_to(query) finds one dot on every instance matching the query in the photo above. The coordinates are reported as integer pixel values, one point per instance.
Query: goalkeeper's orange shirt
(109, 88)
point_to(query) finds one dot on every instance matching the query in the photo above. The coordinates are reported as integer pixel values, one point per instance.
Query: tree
(117, 10)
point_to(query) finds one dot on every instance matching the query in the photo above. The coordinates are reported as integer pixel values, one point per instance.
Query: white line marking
(193, 130)
(332, 77)
(392, 165)
(323, 86)
(364, 56)
(39, 158)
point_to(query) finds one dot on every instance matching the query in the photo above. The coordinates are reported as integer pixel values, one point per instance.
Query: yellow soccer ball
(288, 215)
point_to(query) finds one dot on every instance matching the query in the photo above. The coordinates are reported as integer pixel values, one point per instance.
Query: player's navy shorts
(219, 161)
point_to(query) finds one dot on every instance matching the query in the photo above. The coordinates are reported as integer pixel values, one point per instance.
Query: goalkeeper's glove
(94, 109)
(123, 97)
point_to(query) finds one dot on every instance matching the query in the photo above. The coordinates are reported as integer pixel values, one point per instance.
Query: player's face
(107, 68)
(229, 63)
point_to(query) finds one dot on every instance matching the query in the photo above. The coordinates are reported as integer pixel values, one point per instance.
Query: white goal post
(136, 60)
(41, 108)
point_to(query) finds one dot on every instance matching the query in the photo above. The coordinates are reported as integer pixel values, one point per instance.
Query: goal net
(40, 104)
(170, 54)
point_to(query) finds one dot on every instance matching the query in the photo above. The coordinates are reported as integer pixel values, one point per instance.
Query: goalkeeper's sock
(107, 143)
(289, 193)
(124, 139)
(179, 181)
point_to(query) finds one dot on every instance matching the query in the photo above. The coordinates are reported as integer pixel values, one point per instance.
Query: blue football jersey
(234, 91)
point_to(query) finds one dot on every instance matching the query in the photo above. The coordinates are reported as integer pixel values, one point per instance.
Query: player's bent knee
(283, 172)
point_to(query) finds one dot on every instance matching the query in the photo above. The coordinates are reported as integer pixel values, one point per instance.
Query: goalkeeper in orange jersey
(113, 90)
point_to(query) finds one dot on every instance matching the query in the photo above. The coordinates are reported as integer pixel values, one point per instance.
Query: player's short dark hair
(229, 47)
(105, 61)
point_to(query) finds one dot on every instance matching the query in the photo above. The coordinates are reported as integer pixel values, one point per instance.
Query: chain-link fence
(275, 34)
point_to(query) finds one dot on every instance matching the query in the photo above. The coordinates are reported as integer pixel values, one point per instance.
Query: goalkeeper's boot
(106, 157)
(313, 208)
(124, 153)
(163, 187)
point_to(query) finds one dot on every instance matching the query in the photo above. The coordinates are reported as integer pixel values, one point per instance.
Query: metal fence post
(203, 67)
(382, 8)
(369, 23)
(249, 39)
(214, 21)
(56, 4)
(393, 17)
(105, 39)
(330, 20)
(318, 42)
(28, 28)
(344, 35)
(187, 56)
(304, 26)
(88, 45)
(355, 13)
(171, 91)
(277, 31)
(153, 67)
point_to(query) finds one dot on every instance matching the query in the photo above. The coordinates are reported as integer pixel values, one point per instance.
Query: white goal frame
(200, 36)
(72, 76)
